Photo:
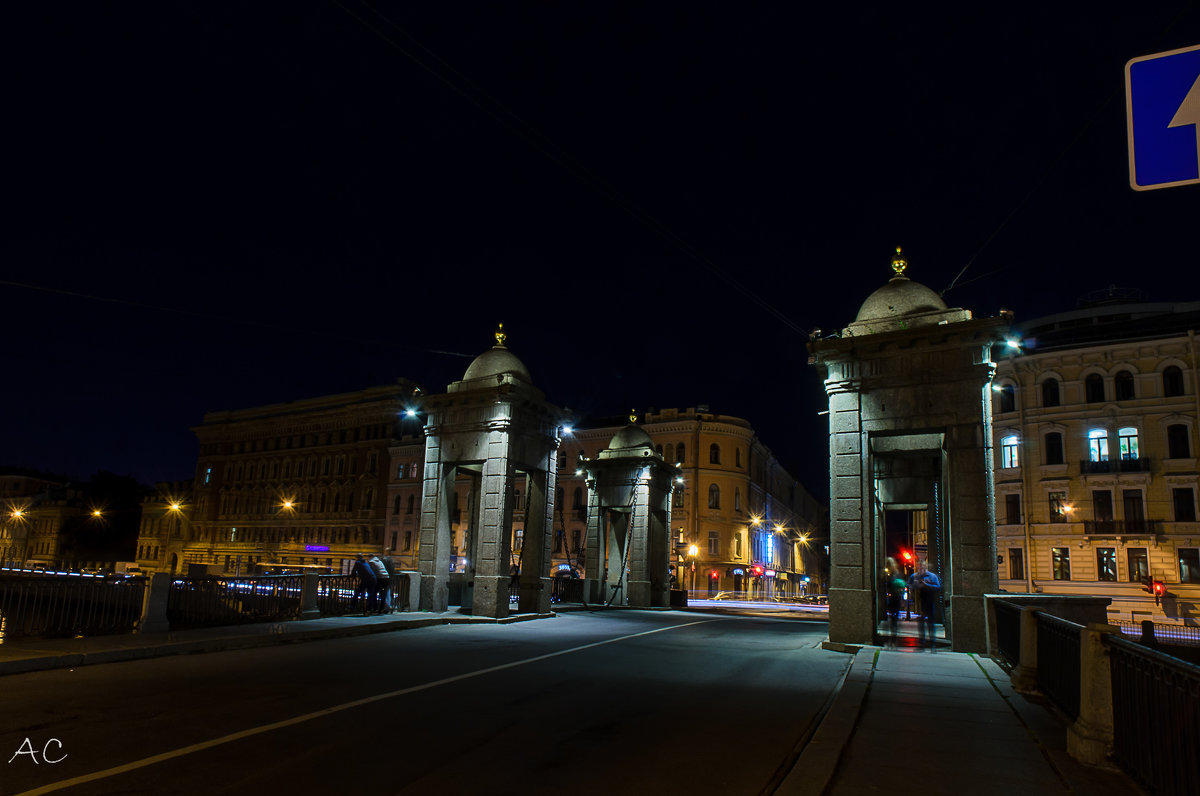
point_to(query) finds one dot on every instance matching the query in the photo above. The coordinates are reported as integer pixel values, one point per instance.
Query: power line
(539, 141)
(225, 318)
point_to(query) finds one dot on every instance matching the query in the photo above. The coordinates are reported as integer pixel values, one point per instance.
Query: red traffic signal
(713, 574)
(907, 556)
(758, 571)
(1159, 590)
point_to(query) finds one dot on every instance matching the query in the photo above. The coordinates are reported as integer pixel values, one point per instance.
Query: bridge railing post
(154, 604)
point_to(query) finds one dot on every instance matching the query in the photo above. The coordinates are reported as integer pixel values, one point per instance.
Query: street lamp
(692, 551)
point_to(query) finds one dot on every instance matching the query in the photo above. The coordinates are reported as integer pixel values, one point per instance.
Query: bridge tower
(910, 443)
(629, 521)
(496, 428)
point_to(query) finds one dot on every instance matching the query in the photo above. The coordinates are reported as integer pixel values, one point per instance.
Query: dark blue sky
(225, 205)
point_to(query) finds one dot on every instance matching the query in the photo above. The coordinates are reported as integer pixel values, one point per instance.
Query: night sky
(217, 206)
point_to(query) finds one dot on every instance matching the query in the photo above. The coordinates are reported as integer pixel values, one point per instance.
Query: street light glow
(693, 550)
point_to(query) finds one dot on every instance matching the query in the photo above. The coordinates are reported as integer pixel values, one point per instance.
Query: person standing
(367, 583)
(383, 585)
(893, 587)
(927, 585)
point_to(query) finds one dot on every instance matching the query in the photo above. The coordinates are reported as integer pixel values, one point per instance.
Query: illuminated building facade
(300, 484)
(1095, 434)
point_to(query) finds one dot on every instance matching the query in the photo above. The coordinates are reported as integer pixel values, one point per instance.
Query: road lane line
(278, 725)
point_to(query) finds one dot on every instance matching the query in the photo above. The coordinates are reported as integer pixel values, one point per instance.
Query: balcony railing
(1088, 467)
(1122, 527)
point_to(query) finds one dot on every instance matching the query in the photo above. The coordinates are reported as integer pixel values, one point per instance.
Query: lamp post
(692, 551)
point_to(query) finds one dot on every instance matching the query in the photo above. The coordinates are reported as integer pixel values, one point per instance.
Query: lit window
(1098, 445)
(1058, 503)
(1060, 561)
(1008, 451)
(1127, 439)
(1106, 564)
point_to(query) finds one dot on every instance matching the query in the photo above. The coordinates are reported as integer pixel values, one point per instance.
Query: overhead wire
(532, 136)
(227, 319)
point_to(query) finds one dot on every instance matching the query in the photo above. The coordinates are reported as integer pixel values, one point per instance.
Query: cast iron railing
(566, 590)
(1156, 717)
(1058, 662)
(335, 595)
(1181, 635)
(209, 602)
(69, 605)
(1008, 630)
(1115, 466)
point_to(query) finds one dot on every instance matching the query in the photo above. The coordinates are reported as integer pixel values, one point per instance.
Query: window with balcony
(1008, 399)
(1060, 563)
(1102, 505)
(1139, 564)
(1106, 563)
(1172, 381)
(1098, 445)
(1184, 500)
(1093, 388)
(1050, 395)
(1009, 455)
(1054, 448)
(1134, 509)
(1016, 563)
(1127, 443)
(1178, 442)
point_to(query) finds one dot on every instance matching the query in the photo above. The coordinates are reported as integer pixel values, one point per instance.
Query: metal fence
(210, 602)
(1156, 718)
(1008, 630)
(1058, 662)
(335, 595)
(1182, 635)
(69, 605)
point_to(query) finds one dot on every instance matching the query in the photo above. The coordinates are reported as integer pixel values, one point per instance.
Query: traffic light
(1159, 590)
(712, 574)
(907, 556)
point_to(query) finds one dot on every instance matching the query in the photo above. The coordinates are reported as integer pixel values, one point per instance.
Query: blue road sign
(1162, 101)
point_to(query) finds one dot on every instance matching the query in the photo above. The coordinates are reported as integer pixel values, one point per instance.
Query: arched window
(737, 499)
(337, 502)
(714, 454)
(396, 505)
(1172, 378)
(1009, 456)
(669, 454)
(1050, 395)
(1008, 399)
(1127, 442)
(737, 457)
(714, 496)
(1178, 442)
(518, 505)
(577, 498)
(1093, 387)
(1098, 445)
(681, 453)
(321, 504)
(1123, 385)
(411, 500)
(1054, 448)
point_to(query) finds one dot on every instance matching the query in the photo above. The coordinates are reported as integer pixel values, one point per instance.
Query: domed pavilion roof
(900, 296)
(497, 360)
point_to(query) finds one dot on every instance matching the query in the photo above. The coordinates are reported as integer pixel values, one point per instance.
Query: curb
(817, 764)
(242, 642)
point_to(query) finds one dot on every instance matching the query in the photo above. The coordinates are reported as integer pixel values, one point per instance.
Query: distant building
(298, 485)
(311, 483)
(35, 509)
(1095, 423)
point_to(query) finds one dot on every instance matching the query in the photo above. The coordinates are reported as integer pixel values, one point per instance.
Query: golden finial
(632, 415)
(500, 335)
(899, 263)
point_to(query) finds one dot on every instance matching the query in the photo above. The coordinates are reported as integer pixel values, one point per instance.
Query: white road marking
(278, 725)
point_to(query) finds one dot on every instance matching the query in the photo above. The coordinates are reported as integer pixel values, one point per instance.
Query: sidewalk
(907, 721)
(31, 655)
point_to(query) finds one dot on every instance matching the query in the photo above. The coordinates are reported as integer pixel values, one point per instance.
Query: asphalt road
(617, 702)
